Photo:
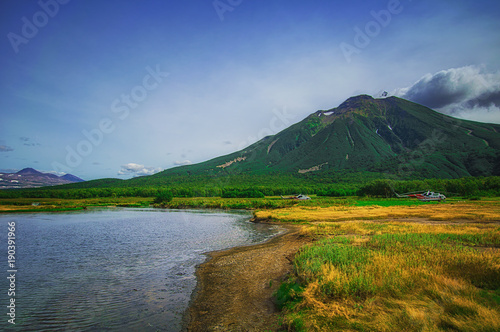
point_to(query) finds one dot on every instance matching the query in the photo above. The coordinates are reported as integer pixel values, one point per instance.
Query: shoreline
(234, 290)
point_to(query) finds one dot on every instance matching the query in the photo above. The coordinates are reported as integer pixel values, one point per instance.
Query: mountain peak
(71, 178)
(356, 103)
(29, 170)
(357, 100)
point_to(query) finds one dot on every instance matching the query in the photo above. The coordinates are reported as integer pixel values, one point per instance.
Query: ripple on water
(120, 269)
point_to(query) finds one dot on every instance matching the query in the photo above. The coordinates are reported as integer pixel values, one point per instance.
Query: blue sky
(123, 88)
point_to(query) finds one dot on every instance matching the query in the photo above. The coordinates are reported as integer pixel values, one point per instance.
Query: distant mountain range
(31, 178)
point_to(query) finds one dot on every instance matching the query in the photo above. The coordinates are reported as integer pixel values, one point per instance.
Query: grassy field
(267, 203)
(56, 204)
(369, 209)
(278, 209)
(380, 266)
(396, 276)
(374, 264)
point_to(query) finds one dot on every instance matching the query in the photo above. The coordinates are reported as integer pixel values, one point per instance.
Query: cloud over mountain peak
(467, 92)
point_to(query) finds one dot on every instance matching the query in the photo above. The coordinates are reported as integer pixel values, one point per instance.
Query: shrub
(380, 188)
(163, 196)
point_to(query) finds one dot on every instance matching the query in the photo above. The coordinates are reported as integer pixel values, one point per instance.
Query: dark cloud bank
(467, 92)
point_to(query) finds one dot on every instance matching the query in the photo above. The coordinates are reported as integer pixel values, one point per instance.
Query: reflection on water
(116, 269)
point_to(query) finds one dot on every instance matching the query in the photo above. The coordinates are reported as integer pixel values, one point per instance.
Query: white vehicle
(299, 197)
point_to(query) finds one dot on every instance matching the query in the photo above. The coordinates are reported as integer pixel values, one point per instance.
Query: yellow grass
(55, 204)
(483, 211)
(437, 303)
(449, 285)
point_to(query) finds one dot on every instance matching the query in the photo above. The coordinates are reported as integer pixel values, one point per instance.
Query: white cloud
(182, 163)
(138, 170)
(55, 173)
(489, 114)
(466, 92)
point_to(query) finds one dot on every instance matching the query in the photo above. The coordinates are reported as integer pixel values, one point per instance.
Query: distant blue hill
(31, 178)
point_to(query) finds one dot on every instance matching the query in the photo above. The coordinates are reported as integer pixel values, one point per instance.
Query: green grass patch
(399, 278)
(288, 294)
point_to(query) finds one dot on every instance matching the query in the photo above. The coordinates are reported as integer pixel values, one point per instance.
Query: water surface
(114, 269)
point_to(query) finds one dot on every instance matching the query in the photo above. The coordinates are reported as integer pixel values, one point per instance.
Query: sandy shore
(235, 286)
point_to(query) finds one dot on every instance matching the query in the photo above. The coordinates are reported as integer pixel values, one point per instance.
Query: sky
(117, 88)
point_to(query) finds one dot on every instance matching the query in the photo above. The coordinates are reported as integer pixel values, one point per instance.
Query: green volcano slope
(392, 136)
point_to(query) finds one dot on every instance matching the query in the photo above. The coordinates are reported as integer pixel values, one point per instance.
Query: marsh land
(348, 263)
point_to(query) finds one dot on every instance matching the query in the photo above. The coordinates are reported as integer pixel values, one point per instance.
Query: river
(112, 269)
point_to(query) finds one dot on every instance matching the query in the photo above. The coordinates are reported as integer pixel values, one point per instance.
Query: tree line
(466, 187)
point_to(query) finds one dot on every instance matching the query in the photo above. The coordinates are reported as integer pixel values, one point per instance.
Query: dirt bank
(235, 286)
